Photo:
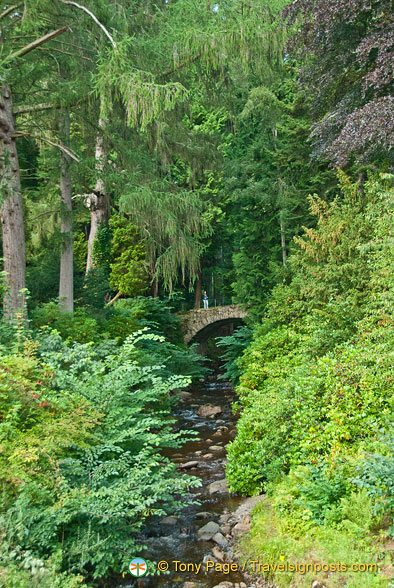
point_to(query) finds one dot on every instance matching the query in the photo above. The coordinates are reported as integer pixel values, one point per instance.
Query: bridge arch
(196, 322)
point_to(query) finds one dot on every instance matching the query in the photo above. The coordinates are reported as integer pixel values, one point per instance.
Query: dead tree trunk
(11, 212)
(97, 201)
(66, 281)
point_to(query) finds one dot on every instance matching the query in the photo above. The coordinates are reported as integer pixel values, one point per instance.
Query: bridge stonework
(196, 320)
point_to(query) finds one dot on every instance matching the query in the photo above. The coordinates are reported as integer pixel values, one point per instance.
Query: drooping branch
(96, 20)
(37, 43)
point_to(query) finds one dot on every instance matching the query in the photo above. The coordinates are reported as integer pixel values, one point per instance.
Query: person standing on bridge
(205, 299)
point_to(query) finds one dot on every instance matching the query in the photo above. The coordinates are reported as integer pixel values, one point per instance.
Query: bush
(82, 428)
(376, 478)
(77, 326)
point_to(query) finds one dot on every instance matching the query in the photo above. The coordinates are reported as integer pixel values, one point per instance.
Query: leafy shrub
(77, 326)
(81, 430)
(153, 313)
(317, 381)
(376, 478)
(91, 290)
(234, 346)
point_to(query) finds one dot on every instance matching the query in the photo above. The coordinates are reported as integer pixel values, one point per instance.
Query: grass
(273, 540)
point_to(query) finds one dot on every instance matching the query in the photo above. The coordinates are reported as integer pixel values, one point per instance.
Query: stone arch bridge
(199, 324)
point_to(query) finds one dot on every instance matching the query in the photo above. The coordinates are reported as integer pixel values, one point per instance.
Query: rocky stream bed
(210, 529)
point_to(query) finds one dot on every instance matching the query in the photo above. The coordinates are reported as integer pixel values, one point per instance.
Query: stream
(178, 537)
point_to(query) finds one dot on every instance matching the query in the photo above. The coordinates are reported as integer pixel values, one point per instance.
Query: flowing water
(177, 540)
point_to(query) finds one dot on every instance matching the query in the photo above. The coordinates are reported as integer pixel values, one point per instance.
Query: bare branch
(114, 299)
(25, 109)
(70, 2)
(37, 43)
(60, 146)
(43, 213)
(33, 108)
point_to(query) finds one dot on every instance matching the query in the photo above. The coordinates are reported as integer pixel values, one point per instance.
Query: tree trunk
(198, 290)
(283, 242)
(66, 282)
(155, 288)
(98, 201)
(11, 212)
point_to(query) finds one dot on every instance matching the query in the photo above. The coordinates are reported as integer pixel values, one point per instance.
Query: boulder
(189, 465)
(218, 487)
(207, 410)
(215, 448)
(169, 521)
(242, 527)
(203, 515)
(218, 553)
(186, 395)
(225, 529)
(219, 539)
(208, 531)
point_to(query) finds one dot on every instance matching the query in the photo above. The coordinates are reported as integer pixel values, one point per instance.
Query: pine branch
(70, 2)
(37, 43)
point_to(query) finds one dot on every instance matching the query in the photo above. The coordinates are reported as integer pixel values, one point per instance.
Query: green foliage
(77, 326)
(153, 313)
(172, 226)
(92, 290)
(128, 274)
(81, 431)
(102, 246)
(275, 537)
(234, 345)
(317, 380)
(268, 179)
(376, 478)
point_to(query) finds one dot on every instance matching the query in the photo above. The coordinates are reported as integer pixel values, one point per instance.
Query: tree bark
(11, 212)
(155, 288)
(198, 290)
(66, 282)
(98, 201)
